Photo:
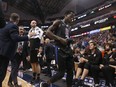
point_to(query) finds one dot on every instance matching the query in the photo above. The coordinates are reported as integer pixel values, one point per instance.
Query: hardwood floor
(20, 81)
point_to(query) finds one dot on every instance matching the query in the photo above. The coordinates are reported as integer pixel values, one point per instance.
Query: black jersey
(62, 31)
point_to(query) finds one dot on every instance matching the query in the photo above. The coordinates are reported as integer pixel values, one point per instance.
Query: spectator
(49, 54)
(88, 64)
(109, 60)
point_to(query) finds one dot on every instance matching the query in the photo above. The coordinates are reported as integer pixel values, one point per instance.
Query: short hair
(14, 16)
(93, 43)
(21, 26)
(109, 44)
(90, 41)
(68, 12)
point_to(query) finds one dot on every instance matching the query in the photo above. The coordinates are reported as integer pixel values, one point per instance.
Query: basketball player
(60, 32)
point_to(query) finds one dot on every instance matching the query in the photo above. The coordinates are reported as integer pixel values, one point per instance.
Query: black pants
(15, 66)
(108, 73)
(3, 68)
(84, 66)
(93, 70)
(48, 62)
(26, 64)
(65, 64)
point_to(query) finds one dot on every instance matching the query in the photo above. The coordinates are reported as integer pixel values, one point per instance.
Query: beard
(107, 49)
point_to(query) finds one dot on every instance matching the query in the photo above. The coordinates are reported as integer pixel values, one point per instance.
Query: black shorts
(84, 66)
(33, 56)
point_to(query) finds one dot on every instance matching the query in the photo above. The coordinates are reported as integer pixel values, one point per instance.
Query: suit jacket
(25, 49)
(49, 51)
(2, 20)
(8, 40)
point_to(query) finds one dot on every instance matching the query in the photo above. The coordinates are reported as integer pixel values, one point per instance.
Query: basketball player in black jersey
(60, 32)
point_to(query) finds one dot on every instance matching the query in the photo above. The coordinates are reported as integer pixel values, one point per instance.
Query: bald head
(47, 40)
(33, 23)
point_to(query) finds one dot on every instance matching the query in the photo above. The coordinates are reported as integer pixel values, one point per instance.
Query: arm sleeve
(45, 50)
(15, 36)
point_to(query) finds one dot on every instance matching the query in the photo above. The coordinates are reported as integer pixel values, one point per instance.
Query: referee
(34, 45)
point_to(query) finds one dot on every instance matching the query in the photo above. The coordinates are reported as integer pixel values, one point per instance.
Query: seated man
(89, 64)
(109, 65)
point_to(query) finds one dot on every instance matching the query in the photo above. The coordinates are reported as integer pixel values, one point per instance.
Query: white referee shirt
(38, 31)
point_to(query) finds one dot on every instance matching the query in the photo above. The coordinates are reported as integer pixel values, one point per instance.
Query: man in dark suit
(15, 62)
(49, 54)
(8, 43)
(26, 54)
(2, 20)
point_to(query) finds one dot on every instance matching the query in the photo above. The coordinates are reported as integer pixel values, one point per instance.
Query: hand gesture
(31, 34)
(101, 66)
(81, 60)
